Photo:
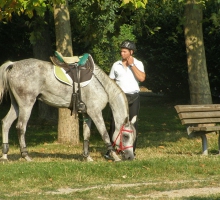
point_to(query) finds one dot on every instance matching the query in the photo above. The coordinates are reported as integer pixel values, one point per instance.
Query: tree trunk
(68, 128)
(42, 50)
(197, 71)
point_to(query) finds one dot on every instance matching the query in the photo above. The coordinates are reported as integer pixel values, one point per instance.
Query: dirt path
(166, 194)
(182, 193)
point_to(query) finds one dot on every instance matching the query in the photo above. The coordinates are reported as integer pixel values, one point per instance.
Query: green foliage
(161, 46)
(134, 3)
(14, 40)
(213, 15)
(164, 51)
(99, 26)
(211, 36)
(29, 8)
(37, 25)
(99, 29)
(106, 53)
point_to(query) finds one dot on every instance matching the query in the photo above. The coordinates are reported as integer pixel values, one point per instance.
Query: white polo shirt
(124, 76)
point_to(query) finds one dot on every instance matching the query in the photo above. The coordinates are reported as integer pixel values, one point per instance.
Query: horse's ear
(126, 120)
(134, 119)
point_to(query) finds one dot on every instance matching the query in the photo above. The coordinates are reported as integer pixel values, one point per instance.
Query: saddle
(80, 69)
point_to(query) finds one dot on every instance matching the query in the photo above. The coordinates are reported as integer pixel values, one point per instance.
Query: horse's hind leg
(6, 124)
(24, 115)
(86, 136)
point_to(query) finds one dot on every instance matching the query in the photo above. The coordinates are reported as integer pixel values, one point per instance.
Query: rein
(121, 147)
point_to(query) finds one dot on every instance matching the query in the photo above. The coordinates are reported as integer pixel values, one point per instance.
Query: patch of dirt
(190, 192)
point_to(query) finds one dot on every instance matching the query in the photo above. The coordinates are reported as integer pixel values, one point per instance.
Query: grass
(166, 160)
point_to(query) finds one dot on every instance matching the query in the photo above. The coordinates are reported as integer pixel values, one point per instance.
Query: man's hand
(130, 60)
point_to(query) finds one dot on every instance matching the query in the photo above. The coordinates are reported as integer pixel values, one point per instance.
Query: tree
(42, 49)
(196, 60)
(68, 131)
(157, 28)
(68, 128)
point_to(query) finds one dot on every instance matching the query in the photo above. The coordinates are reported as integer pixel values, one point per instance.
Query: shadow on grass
(158, 123)
(36, 155)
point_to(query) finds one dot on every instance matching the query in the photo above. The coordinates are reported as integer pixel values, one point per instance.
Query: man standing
(127, 73)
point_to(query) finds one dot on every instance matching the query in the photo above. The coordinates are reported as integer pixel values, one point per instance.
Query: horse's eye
(125, 138)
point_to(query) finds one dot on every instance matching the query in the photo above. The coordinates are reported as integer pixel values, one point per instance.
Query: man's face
(126, 53)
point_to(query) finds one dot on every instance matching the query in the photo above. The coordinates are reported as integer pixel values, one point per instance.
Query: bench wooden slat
(208, 128)
(200, 121)
(187, 108)
(191, 115)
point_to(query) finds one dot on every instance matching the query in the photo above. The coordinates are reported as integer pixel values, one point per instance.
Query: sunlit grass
(166, 159)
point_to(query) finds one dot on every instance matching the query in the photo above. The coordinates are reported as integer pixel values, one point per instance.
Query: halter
(121, 147)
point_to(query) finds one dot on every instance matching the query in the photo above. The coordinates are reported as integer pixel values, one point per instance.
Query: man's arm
(138, 74)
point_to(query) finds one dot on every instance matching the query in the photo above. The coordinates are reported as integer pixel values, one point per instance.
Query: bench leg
(204, 144)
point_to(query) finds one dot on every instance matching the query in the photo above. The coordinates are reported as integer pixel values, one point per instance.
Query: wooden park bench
(200, 120)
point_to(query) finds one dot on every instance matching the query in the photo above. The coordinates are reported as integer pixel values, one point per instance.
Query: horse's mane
(116, 97)
(112, 89)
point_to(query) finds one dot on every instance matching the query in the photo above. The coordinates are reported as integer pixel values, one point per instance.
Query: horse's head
(125, 139)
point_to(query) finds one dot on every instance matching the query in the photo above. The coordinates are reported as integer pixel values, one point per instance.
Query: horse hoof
(27, 158)
(89, 159)
(114, 156)
(3, 159)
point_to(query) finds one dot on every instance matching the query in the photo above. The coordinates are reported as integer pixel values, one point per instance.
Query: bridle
(121, 147)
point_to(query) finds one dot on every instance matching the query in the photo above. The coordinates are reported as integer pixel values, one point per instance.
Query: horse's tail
(3, 79)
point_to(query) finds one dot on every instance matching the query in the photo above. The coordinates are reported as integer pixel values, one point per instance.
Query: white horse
(31, 79)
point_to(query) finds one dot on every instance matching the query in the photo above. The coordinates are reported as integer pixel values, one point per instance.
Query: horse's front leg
(86, 136)
(100, 125)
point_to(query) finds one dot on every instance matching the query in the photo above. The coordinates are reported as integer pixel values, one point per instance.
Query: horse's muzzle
(127, 155)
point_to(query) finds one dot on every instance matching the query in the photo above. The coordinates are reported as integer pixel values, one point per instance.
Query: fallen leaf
(147, 168)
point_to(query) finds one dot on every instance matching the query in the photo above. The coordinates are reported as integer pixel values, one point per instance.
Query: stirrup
(81, 107)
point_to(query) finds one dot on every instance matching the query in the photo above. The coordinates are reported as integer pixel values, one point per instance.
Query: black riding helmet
(127, 44)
